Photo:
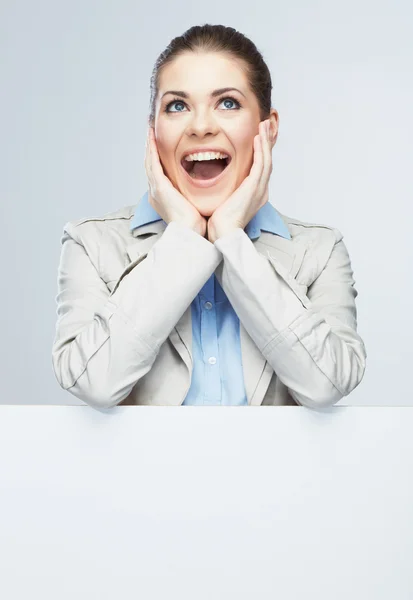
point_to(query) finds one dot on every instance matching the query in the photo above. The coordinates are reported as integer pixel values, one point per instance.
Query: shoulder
(92, 228)
(311, 233)
(104, 238)
(319, 242)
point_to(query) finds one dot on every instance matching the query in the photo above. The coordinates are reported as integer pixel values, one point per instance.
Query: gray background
(74, 102)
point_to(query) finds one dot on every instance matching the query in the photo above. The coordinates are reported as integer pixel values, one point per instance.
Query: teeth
(205, 156)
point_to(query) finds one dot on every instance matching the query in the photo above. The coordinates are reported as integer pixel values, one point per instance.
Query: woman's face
(228, 121)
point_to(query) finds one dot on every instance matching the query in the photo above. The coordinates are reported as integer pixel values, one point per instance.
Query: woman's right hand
(164, 197)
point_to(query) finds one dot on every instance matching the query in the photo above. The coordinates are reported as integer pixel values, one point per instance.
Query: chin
(206, 212)
(205, 209)
(208, 200)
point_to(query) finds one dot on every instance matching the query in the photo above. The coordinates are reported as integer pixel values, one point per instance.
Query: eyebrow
(218, 92)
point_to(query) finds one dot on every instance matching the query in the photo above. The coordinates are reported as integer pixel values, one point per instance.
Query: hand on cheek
(168, 202)
(238, 210)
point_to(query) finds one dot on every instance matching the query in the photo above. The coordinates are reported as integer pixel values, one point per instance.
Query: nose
(201, 125)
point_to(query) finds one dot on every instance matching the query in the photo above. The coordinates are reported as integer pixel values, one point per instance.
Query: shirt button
(212, 360)
(208, 305)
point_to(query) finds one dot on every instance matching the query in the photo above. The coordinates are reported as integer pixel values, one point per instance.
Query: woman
(203, 293)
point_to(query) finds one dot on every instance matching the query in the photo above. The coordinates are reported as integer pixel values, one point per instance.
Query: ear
(274, 122)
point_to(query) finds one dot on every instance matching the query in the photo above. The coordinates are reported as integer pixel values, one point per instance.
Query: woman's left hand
(251, 195)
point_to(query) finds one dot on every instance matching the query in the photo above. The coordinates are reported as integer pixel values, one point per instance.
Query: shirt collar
(266, 219)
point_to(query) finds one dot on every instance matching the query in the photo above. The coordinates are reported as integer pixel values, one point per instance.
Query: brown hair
(218, 38)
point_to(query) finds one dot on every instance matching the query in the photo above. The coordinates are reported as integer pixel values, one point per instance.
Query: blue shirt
(217, 376)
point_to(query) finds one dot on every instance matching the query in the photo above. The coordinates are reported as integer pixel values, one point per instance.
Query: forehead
(199, 73)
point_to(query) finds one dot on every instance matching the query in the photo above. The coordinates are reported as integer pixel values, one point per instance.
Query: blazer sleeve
(105, 342)
(310, 341)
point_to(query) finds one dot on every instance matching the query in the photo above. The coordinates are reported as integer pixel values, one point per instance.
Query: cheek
(245, 150)
(166, 145)
(244, 140)
(164, 148)
(165, 142)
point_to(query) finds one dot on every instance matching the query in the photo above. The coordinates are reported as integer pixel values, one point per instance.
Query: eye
(230, 99)
(177, 101)
(167, 108)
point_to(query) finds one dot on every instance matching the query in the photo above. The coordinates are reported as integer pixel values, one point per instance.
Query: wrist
(197, 225)
(218, 230)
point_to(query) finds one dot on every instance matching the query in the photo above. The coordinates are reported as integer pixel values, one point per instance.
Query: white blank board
(209, 503)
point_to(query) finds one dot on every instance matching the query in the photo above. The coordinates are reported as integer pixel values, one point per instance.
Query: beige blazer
(124, 331)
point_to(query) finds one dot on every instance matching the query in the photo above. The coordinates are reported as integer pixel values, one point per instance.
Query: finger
(252, 181)
(259, 156)
(147, 156)
(262, 182)
(153, 171)
(266, 153)
(155, 160)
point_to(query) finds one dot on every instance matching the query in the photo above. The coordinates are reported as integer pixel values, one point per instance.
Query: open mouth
(205, 170)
